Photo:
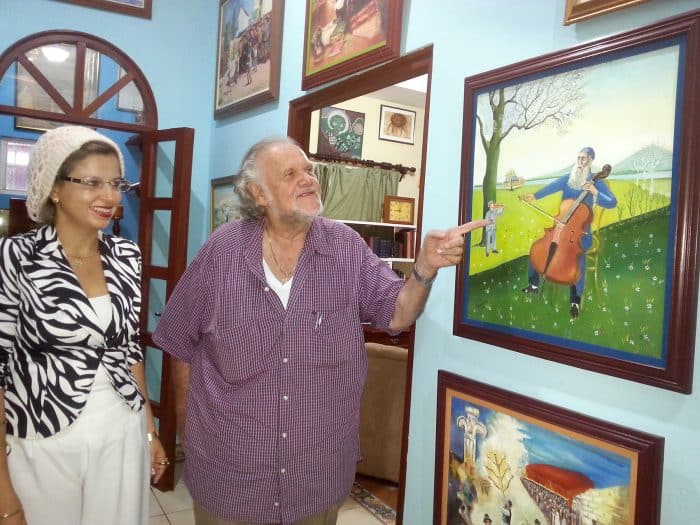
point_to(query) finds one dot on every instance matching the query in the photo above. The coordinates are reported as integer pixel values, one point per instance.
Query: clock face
(401, 211)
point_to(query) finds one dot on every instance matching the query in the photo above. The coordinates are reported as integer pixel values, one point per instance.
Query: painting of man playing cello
(587, 258)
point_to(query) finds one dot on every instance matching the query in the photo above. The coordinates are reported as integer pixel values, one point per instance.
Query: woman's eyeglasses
(96, 184)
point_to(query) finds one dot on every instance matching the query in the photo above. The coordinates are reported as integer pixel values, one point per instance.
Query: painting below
(341, 132)
(512, 459)
(585, 192)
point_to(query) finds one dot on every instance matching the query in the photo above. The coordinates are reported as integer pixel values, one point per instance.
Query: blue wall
(177, 52)
(173, 49)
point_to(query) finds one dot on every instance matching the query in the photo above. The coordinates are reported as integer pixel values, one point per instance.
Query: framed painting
(579, 10)
(340, 133)
(140, 8)
(224, 202)
(249, 47)
(343, 40)
(507, 458)
(592, 259)
(397, 125)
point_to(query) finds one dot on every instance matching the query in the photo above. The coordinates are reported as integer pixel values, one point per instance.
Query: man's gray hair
(249, 173)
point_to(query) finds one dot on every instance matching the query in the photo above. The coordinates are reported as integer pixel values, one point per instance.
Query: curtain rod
(368, 163)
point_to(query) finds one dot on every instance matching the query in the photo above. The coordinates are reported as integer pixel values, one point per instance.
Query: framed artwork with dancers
(500, 455)
(346, 37)
(249, 48)
(585, 163)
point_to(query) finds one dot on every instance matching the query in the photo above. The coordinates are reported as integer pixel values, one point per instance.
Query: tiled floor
(175, 508)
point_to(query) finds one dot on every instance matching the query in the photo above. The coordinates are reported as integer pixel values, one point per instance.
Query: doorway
(378, 83)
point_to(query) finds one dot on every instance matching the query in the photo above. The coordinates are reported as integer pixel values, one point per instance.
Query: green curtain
(355, 193)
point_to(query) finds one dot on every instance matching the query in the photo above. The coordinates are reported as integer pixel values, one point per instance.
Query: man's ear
(257, 194)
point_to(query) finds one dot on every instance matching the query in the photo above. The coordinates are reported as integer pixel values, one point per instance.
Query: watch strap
(425, 281)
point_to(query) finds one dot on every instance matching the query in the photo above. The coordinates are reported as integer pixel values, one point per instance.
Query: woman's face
(88, 206)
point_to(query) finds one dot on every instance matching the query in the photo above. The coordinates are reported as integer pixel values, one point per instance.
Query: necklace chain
(286, 275)
(78, 261)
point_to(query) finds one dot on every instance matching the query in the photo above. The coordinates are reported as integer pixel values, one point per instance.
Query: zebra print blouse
(51, 342)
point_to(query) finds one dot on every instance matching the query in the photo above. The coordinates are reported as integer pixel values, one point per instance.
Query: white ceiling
(408, 93)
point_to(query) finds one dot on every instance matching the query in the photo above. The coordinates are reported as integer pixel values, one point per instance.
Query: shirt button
(267, 288)
(284, 470)
(276, 503)
(285, 360)
(284, 435)
(285, 398)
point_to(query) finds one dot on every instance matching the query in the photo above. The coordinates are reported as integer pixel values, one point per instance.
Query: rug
(379, 510)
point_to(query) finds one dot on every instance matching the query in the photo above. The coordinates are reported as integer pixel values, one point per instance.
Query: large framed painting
(140, 8)
(345, 37)
(579, 10)
(586, 164)
(507, 458)
(224, 202)
(340, 133)
(249, 47)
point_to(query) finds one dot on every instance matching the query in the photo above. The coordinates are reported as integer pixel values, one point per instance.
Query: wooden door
(164, 192)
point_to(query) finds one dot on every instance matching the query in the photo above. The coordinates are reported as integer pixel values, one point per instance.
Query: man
(494, 211)
(507, 512)
(267, 323)
(570, 186)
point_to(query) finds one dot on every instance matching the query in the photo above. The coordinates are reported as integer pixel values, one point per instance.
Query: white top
(281, 289)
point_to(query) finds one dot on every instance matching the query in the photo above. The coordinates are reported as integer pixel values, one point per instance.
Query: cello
(555, 256)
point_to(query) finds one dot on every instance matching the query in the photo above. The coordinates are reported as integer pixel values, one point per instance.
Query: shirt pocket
(239, 353)
(336, 335)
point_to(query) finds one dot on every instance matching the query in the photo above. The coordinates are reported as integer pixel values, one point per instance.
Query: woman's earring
(55, 200)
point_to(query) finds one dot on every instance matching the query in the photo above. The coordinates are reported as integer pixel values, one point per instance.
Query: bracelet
(425, 281)
(10, 514)
(150, 436)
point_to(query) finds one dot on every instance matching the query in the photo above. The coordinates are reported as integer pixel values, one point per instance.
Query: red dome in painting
(566, 483)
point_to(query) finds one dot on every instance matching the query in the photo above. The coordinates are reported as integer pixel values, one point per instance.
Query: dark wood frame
(387, 51)
(677, 374)
(411, 65)
(646, 449)
(124, 9)
(579, 10)
(272, 92)
(391, 138)
(386, 209)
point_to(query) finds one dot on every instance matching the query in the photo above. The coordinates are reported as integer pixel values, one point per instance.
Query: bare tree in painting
(499, 471)
(555, 100)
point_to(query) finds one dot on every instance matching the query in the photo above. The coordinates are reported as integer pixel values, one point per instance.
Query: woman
(76, 424)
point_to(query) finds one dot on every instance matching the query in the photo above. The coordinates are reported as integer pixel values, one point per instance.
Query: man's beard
(578, 176)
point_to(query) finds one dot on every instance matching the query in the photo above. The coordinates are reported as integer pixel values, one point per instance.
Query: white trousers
(95, 472)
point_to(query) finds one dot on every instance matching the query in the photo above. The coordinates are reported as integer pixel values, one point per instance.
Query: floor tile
(348, 504)
(184, 517)
(158, 520)
(175, 501)
(355, 516)
(153, 505)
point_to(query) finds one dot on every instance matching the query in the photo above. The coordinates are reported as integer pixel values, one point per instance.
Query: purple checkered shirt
(274, 396)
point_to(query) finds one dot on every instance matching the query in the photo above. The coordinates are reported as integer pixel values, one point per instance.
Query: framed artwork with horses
(584, 159)
(501, 457)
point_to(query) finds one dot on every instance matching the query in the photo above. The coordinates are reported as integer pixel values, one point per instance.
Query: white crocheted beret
(47, 156)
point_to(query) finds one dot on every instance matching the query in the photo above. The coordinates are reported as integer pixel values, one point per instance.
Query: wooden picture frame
(638, 251)
(248, 58)
(397, 124)
(498, 452)
(340, 42)
(139, 8)
(224, 201)
(579, 10)
(399, 210)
